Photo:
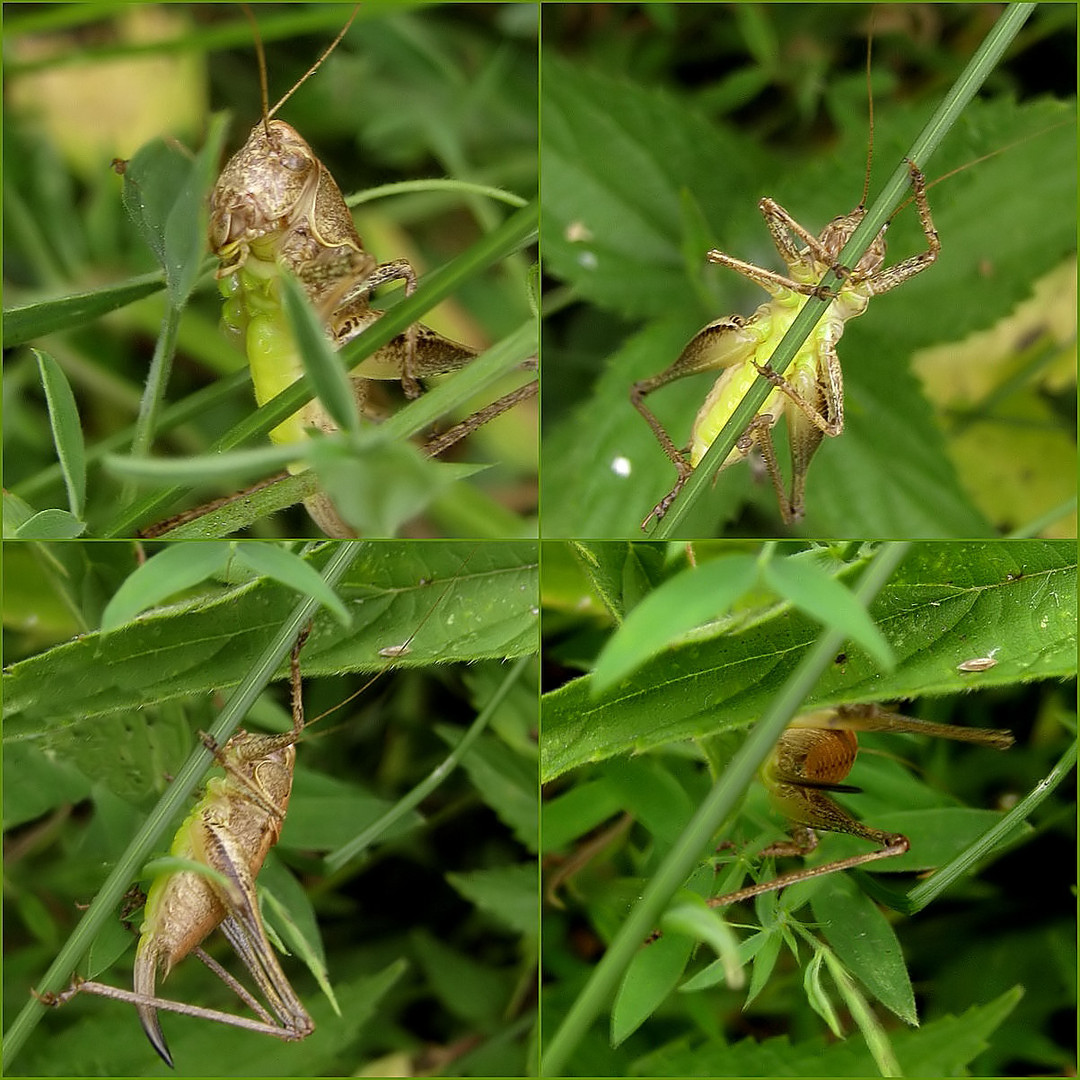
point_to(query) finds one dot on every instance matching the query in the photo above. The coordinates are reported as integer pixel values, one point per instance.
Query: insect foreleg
(395, 270)
(781, 227)
(243, 748)
(891, 276)
(774, 284)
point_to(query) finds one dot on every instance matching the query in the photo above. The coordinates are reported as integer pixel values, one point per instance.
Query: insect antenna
(314, 67)
(979, 160)
(870, 108)
(396, 651)
(260, 55)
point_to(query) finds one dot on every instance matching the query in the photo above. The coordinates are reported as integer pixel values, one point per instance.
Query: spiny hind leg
(704, 352)
(870, 717)
(719, 345)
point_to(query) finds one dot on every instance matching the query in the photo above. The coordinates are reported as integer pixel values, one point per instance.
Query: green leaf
(817, 995)
(764, 964)
(170, 571)
(292, 915)
(168, 865)
(817, 593)
(112, 943)
(201, 469)
(942, 1047)
(153, 181)
(282, 565)
(509, 893)
(17, 512)
(947, 602)
(877, 1039)
(650, 978)
(506, 781)
(66, 429)
(604, 564)
(651, 795)
(694, 919)
(686, 601)
(129, 752)
(332, 385)
(467, 986)
(377, 485)
(34, 784)
(326, 813)
(165, 196)
(33, 320)
(865, 941)
(185, 226)
(572, 814)
(488, 612)
(49, 525)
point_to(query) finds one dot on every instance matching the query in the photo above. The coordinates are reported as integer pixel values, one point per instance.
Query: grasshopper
(810, 394)
(276, 209)
(231, 830)
(813, 757)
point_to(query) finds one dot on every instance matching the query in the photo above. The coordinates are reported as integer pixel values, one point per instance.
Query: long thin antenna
(260, 55)
(396, 651)
(870, 102)
(315, 67)
(979, 160)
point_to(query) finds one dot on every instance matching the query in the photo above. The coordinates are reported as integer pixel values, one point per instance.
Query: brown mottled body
(813, 756)
(230, 830)
(276, 206)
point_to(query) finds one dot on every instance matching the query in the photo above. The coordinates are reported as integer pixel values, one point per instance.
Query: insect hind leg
(400, 270)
